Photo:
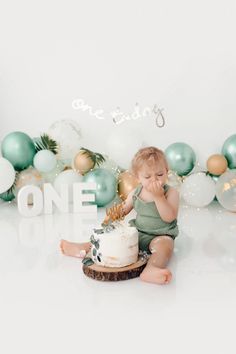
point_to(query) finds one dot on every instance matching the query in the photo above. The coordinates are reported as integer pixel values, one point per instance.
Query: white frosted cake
(115, 245)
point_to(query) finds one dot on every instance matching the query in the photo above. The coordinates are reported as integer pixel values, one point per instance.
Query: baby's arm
(128, 203)
(168, 206)
(120, 210)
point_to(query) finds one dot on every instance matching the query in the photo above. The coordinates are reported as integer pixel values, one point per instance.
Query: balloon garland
(27, 160)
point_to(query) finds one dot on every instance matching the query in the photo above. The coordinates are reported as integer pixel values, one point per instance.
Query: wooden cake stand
(97, 272)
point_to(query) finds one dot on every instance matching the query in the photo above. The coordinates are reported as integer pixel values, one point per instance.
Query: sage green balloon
(181, 158)
(7, 196)
(19, 149)
(229, 151)
(106, 186)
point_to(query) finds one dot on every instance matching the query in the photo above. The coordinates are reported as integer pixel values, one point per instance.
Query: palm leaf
(97, 158)
(46, 143)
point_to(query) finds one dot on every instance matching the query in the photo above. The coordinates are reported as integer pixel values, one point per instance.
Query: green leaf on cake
(94, 242)
(87, 261)
(92, 239)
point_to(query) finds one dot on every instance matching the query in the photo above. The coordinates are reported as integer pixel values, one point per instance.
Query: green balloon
(106, 185)
(181, 158)
(18, 148)
(7, 196)
(229, 151)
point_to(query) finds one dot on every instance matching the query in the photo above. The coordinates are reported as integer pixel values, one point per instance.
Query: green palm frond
(46, 143)
(97, 158)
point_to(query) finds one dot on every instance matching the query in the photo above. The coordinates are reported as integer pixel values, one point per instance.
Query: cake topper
(116, 212)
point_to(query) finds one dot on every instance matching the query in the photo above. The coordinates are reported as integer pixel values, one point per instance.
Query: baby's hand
(155, 189)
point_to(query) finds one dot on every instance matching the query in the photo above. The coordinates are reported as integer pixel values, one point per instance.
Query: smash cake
(114, 245)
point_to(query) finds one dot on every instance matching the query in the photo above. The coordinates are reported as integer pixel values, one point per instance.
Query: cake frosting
(115, 245)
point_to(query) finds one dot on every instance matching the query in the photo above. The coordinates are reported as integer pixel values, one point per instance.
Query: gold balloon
(217, 164)
(126, 183)
(83, 163)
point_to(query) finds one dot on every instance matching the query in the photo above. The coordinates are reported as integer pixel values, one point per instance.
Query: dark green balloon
(229, 151)
(19, 149)
(7, 196)
(181, 158)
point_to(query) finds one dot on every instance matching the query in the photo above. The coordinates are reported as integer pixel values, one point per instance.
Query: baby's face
(147, 174)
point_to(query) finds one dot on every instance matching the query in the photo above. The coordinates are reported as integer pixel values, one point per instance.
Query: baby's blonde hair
(148, 155)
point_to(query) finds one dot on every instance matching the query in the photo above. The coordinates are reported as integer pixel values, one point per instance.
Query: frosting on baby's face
(148, 174)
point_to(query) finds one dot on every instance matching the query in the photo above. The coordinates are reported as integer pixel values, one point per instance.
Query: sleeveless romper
(148, 221)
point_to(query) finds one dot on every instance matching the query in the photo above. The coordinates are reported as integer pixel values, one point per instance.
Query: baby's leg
(155, 270)
(75, 249)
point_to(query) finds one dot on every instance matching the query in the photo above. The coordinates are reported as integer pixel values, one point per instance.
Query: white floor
(47, 304)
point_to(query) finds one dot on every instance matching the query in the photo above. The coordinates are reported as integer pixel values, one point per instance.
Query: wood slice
(97, 272)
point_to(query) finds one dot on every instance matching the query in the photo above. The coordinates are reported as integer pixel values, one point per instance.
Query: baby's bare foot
(152, 274)
(72, 249)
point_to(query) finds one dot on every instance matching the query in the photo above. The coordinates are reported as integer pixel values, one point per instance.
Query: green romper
(148, 221)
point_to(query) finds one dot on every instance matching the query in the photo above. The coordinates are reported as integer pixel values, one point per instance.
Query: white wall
(178, 54)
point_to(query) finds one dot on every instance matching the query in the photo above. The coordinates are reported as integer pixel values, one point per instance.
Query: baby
(156, 204)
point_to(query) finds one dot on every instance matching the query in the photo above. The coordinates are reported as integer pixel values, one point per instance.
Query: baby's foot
(72, 249)
(152, 274)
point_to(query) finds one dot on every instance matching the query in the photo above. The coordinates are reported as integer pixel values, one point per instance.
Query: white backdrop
(177, 54)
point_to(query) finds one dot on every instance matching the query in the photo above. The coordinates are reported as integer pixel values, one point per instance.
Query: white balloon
(198, 189)
(45, 161)
(122, 146)
(50, 176)
(110, 165)
(226, 190)
(7, 175)
(67, 134)
(67, 177)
